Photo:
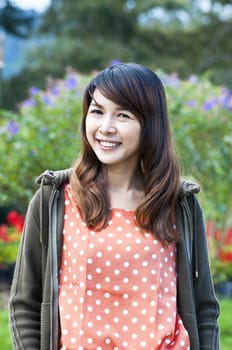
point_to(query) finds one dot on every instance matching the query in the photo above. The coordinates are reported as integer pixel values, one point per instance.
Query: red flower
(4, 233)
(225, 255)
(211, 232)
(16, 220)
(225, 252)
(228, 236)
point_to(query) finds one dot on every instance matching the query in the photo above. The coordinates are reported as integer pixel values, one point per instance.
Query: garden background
(190, 49)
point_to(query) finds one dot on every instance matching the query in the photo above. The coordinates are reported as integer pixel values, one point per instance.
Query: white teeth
(108, 144)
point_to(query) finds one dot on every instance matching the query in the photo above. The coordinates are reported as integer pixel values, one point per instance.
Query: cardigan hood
(59, 177)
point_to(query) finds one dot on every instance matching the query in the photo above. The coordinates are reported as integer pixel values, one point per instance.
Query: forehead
(97, 95)
(101, 100)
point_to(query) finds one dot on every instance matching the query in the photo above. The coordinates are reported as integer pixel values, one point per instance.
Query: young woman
(114, 254)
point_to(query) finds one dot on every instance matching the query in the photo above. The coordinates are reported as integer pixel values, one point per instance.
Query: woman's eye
(124, 116)
(95, 111)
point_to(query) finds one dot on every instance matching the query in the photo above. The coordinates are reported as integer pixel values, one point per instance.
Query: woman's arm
(26, 291)
(207, 306)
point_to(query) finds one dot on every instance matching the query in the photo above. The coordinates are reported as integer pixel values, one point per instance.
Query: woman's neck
(126, 189)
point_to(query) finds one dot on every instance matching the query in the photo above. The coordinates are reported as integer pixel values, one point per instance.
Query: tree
(17, 21)
(172, 35)
(90, 34)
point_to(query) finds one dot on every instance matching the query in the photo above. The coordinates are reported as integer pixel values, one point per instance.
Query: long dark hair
(139, 90)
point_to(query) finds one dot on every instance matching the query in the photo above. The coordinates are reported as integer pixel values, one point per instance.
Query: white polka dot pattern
(117, 287)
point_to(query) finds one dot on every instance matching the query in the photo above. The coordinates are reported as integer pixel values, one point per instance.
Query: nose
(107, 125)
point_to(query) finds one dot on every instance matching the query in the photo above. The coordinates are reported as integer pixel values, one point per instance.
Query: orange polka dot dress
(117, 287)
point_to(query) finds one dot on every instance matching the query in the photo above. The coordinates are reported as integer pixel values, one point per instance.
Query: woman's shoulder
(55, 178)
(188, 187)
(48, 181)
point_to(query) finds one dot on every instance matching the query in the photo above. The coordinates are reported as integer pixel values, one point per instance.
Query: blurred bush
(44, 134)
(202, 126)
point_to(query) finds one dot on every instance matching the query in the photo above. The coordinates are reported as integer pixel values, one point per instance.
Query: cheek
(138, 133)
(89, 129)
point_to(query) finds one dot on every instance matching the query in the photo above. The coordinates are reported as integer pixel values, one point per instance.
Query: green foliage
(8, 252)
(45, 135)
(201, 119)
(221, 270)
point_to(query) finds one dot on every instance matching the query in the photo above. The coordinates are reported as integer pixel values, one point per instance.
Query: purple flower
(191, 103)
(114, 62)
(193, 79)
(34, 91)
(55, 91)
(71, 82)
(208, 105)
(47, 100)
(30, 102)
(227, 101)
(13, 127)
(171, 80)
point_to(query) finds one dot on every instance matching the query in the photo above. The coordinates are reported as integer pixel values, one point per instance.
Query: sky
(41, 5)
(37, 5)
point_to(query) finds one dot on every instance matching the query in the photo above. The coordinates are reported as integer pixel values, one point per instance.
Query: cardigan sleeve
(207, 307)
(26, 290)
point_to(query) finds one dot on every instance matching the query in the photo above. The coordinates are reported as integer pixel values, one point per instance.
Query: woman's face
(112, 132)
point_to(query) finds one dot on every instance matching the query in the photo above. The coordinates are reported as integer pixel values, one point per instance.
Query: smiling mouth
(108, 144)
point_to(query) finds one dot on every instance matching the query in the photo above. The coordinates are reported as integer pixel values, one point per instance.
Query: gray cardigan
(33, 303)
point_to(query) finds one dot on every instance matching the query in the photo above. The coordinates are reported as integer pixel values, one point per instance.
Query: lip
(108, 144)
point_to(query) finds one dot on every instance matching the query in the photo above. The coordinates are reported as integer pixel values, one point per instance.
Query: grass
(224, 322)
(4, 331)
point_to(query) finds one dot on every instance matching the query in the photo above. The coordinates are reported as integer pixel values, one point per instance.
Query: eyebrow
(95, 103)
